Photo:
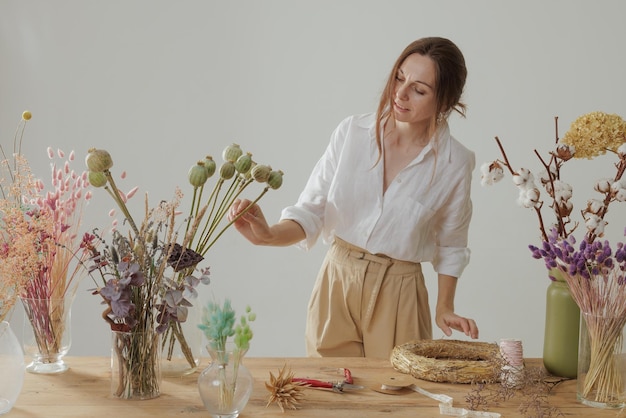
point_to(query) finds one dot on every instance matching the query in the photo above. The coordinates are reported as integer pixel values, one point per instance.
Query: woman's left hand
(448, 321)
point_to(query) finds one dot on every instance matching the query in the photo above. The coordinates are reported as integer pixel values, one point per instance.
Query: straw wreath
(452, 361)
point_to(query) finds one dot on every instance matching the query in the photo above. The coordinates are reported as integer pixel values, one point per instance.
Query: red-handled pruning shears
(346, 384)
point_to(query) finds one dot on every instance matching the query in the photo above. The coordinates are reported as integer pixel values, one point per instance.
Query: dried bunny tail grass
(451, 361)
(284, 391)
(594, 133)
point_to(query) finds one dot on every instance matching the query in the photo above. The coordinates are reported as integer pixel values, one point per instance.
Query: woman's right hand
(250, 223)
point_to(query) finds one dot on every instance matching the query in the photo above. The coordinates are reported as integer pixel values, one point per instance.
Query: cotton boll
(595, 224)
(523, 177)
(603, 185)
(491, 173)
(565, 152)
(529, 198)
(564, 208)
(620, 195)
(619, 184)
(594, 206)
(563, 191)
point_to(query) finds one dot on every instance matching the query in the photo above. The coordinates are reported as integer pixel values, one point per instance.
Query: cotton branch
(506, 162)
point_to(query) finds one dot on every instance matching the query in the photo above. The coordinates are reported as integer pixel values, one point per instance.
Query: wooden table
(83, 392)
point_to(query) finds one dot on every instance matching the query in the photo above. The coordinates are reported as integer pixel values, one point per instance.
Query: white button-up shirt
(423, 216)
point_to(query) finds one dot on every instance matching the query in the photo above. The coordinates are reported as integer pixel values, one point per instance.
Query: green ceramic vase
(560, 344)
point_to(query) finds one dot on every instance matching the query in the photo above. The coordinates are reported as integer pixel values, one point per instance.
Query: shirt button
(399, 180)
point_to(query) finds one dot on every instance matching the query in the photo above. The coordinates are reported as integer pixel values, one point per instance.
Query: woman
(391, 191)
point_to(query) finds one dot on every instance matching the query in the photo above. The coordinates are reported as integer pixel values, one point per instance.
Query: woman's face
(414, 99)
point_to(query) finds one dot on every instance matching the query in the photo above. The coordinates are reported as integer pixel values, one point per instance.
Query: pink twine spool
(512, 352)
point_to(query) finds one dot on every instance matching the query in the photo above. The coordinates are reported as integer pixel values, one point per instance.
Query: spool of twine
(513, 354)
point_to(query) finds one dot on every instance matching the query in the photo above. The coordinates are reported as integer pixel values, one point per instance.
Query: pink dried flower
(41, 255)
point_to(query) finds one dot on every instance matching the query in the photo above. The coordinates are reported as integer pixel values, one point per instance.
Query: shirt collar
(441, 139)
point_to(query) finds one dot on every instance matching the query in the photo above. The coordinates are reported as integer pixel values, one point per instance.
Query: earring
(440, 118)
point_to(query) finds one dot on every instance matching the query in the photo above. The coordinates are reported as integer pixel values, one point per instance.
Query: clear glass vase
(135, 365)
(12, 366)
(226, 384)
(47, 333)
(601, 362)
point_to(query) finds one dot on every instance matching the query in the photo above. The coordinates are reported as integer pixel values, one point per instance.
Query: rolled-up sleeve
(451, 252)
(309, 211)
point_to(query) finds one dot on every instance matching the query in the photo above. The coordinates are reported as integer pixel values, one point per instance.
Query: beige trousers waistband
(387, 265)
(360, 253)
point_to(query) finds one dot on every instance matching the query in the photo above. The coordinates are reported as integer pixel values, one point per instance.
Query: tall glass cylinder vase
(47, 333)
(135, 365)
(560, 344)
(181, 346)
(12, 366)
(602, 362)
(226, 384)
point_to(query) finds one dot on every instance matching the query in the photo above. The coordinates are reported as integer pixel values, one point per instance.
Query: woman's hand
(445, 318)
(250, 223)
(448, 321)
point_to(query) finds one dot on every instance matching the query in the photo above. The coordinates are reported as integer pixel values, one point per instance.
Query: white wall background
(159, 84)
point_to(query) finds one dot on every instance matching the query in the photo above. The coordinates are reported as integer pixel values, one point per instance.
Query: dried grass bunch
(41, 248)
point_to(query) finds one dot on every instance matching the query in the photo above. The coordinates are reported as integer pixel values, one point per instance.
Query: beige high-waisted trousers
(363, 304)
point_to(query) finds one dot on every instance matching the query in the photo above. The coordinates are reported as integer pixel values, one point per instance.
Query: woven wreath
(452, 361)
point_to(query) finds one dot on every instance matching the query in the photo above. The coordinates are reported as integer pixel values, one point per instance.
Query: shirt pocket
(414, 215)
(408, 225)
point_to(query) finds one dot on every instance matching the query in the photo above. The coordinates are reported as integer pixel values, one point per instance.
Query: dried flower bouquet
(206, 216)
(594, 271)
(150, 274)
(41, 249)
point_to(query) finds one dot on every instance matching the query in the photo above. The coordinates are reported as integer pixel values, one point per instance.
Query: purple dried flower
(590, 259)
(130, 274)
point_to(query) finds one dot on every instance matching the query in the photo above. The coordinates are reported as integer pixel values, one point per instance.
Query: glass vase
(135, 365)
(12, 366)
(47, 333)
(560, 344)
(226, 384)
(601, 362)
(181, 346)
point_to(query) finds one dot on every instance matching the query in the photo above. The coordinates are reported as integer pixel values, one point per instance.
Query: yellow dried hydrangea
(594, 133)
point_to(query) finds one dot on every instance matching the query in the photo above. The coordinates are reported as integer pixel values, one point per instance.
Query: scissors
(339, 387)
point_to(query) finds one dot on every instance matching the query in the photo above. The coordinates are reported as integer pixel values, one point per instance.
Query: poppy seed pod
(261, 173)
(210, 165)
(98, 160)
(198, 174)
(231, 153)
(244, 163)
(227, 171)
(275, 179)
(97, 179)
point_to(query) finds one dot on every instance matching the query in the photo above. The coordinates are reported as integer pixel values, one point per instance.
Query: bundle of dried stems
(602, 301)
